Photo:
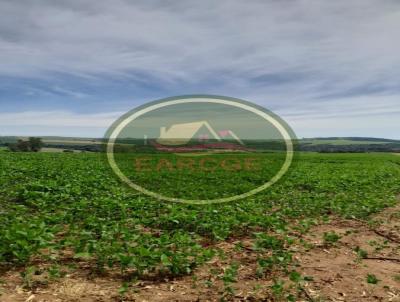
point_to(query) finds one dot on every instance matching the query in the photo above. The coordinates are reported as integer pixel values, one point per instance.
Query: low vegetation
(63, 209)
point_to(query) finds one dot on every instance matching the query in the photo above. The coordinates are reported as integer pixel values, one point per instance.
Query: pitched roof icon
(179, 134)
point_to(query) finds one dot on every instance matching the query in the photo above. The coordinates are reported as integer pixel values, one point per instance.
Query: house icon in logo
(180, 134)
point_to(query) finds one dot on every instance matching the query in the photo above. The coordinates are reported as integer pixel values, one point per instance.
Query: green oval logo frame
(283, 128)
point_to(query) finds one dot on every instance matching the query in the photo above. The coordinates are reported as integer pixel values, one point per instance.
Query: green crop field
(62, 210)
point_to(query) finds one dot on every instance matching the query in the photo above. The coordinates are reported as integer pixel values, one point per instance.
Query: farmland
(332, 144)
(66, 217)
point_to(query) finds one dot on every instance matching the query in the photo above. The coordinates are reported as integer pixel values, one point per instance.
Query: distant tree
(23, 146)
(33, 144)
(9, 146)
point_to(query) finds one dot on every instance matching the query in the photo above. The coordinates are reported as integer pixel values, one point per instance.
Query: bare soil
(336, 272)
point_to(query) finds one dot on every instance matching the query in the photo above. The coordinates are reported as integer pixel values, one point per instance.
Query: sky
(329, 68)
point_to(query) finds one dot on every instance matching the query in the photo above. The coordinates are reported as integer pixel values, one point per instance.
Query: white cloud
(58, 119)
(345, 117)
(331, 40)
(288, 55)
(57, 123)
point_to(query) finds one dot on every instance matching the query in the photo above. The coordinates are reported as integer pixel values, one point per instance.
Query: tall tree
(35, 144)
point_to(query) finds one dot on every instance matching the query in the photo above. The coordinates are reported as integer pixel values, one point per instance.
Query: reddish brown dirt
(338, 273)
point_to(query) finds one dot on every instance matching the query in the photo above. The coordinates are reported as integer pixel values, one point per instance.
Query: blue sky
(329, 68)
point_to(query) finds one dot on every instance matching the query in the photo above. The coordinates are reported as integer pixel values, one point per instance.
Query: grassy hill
(318, 144)
(349, 144)
(347, 141)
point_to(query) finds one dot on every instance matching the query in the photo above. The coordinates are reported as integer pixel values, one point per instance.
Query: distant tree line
(85, 148)
(33, 144)
(353, 148)
(363, 139)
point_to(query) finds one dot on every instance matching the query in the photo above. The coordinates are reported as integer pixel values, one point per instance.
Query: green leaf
(165, 260)
(83, 255)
